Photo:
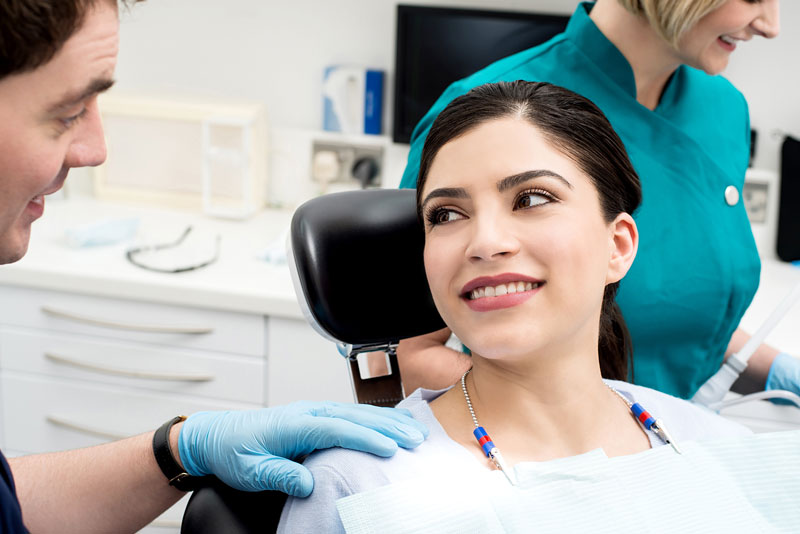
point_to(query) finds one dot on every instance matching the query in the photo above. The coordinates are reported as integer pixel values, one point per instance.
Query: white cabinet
(79, 370)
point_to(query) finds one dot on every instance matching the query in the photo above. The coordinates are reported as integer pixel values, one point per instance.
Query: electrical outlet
(344, 163)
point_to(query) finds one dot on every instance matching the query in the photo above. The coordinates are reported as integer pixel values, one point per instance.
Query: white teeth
(727, 39)
(502, 289)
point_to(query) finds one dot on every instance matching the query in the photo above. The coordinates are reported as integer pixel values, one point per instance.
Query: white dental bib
(743, 484)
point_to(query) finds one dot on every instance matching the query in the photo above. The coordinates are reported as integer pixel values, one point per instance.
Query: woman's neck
(652, 59)
(556, 407)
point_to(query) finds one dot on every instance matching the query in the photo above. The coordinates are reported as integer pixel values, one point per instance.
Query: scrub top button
(731, 195)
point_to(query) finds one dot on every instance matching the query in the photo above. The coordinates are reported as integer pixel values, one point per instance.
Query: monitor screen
(437, 46)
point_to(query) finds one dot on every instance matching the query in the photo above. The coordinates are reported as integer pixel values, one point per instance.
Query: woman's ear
(623, 243)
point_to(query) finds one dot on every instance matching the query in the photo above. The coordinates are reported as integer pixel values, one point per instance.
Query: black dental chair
(347, 252)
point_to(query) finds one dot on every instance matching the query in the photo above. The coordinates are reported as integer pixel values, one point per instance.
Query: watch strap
(175, 474)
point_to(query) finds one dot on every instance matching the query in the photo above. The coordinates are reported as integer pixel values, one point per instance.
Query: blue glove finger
(396, 423)
(784, 373)
(285, 476)
(404, 435)
(260, 472)
(326, 432)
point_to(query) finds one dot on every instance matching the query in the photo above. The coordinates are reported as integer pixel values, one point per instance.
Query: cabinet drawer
(240, 333)
(204, 374)
(47, 414)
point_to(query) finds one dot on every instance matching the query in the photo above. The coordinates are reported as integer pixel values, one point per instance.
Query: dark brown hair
(577, 128)
(32, 31)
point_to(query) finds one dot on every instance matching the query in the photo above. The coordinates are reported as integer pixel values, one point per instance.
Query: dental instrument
(714, 389)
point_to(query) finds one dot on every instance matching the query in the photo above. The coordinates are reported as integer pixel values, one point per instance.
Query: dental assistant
(651, 66)
(55, 58)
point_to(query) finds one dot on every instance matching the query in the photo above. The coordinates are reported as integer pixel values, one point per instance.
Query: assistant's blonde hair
(672, 18)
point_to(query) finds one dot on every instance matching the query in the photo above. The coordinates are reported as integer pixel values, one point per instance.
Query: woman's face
(517, 252)
(709, 44)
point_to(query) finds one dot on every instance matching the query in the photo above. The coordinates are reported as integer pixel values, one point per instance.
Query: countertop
(238, 281)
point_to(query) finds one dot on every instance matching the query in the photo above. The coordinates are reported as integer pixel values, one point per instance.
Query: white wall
(768, 74)
(274, 51)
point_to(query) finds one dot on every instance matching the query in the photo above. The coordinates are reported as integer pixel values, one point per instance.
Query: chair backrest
(356, 259)
(357, 265)
(219, 508)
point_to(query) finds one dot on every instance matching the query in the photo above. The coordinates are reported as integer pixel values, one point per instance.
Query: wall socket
(345, 163)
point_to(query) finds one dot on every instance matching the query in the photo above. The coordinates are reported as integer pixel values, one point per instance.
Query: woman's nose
(768, 23)
(88, 147)
(492, 238)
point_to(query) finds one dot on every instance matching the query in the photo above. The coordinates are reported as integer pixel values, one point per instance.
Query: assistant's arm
(425, 362)
(754, 377)
(116, 487)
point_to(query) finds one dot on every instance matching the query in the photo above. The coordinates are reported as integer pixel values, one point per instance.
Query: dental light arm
(712, 392)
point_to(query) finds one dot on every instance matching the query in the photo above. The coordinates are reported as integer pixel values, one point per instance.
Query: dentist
(55, 58)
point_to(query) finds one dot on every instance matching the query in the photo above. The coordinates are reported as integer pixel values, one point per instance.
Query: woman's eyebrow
(449, 192)
(515, 180)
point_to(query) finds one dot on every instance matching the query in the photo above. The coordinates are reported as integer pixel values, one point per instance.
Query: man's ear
(623, 243)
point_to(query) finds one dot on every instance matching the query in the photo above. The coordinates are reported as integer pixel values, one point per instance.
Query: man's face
(49, 122)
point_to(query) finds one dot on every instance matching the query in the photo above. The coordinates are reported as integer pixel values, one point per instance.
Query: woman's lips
(509, 300)
(506, 290)
(725, 44)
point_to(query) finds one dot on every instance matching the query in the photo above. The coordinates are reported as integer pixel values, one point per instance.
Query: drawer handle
(84, 429)
(66, 360)
(151, 328)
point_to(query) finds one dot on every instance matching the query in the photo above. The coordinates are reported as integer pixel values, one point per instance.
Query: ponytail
(614, 347)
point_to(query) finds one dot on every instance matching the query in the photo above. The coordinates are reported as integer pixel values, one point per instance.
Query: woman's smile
(488, 293)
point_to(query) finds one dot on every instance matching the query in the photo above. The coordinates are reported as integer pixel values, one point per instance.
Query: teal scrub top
(697, 267)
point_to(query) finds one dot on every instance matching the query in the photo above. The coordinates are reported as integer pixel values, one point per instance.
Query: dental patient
(526, 195)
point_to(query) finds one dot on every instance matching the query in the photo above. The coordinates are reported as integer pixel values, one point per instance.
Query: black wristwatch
(176, 476)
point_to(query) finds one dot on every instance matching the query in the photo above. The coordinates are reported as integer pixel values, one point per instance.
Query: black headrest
(356, 260)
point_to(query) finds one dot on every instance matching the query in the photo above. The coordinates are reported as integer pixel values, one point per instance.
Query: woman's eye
(442, 216)
(531, 199)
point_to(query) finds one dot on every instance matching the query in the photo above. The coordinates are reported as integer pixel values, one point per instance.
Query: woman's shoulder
(341, 472)
(685, 420)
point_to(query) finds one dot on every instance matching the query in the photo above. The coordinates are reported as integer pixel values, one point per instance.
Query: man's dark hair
(32, 31)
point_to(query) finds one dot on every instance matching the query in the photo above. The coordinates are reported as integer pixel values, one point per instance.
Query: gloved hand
(252, 450)
(784, 373)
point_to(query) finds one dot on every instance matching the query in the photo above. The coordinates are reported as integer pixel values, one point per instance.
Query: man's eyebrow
(69, 100)
(515, 180)
(448, 192)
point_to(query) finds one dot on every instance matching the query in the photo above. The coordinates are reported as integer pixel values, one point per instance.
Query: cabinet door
(41, 414)
(210, 375)
(302, 365)
(143, 322)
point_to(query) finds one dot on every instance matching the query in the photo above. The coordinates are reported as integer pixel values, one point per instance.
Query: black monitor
(437, 46)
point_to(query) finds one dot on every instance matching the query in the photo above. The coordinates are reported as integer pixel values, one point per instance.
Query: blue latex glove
(784, 373)
(252, 450)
